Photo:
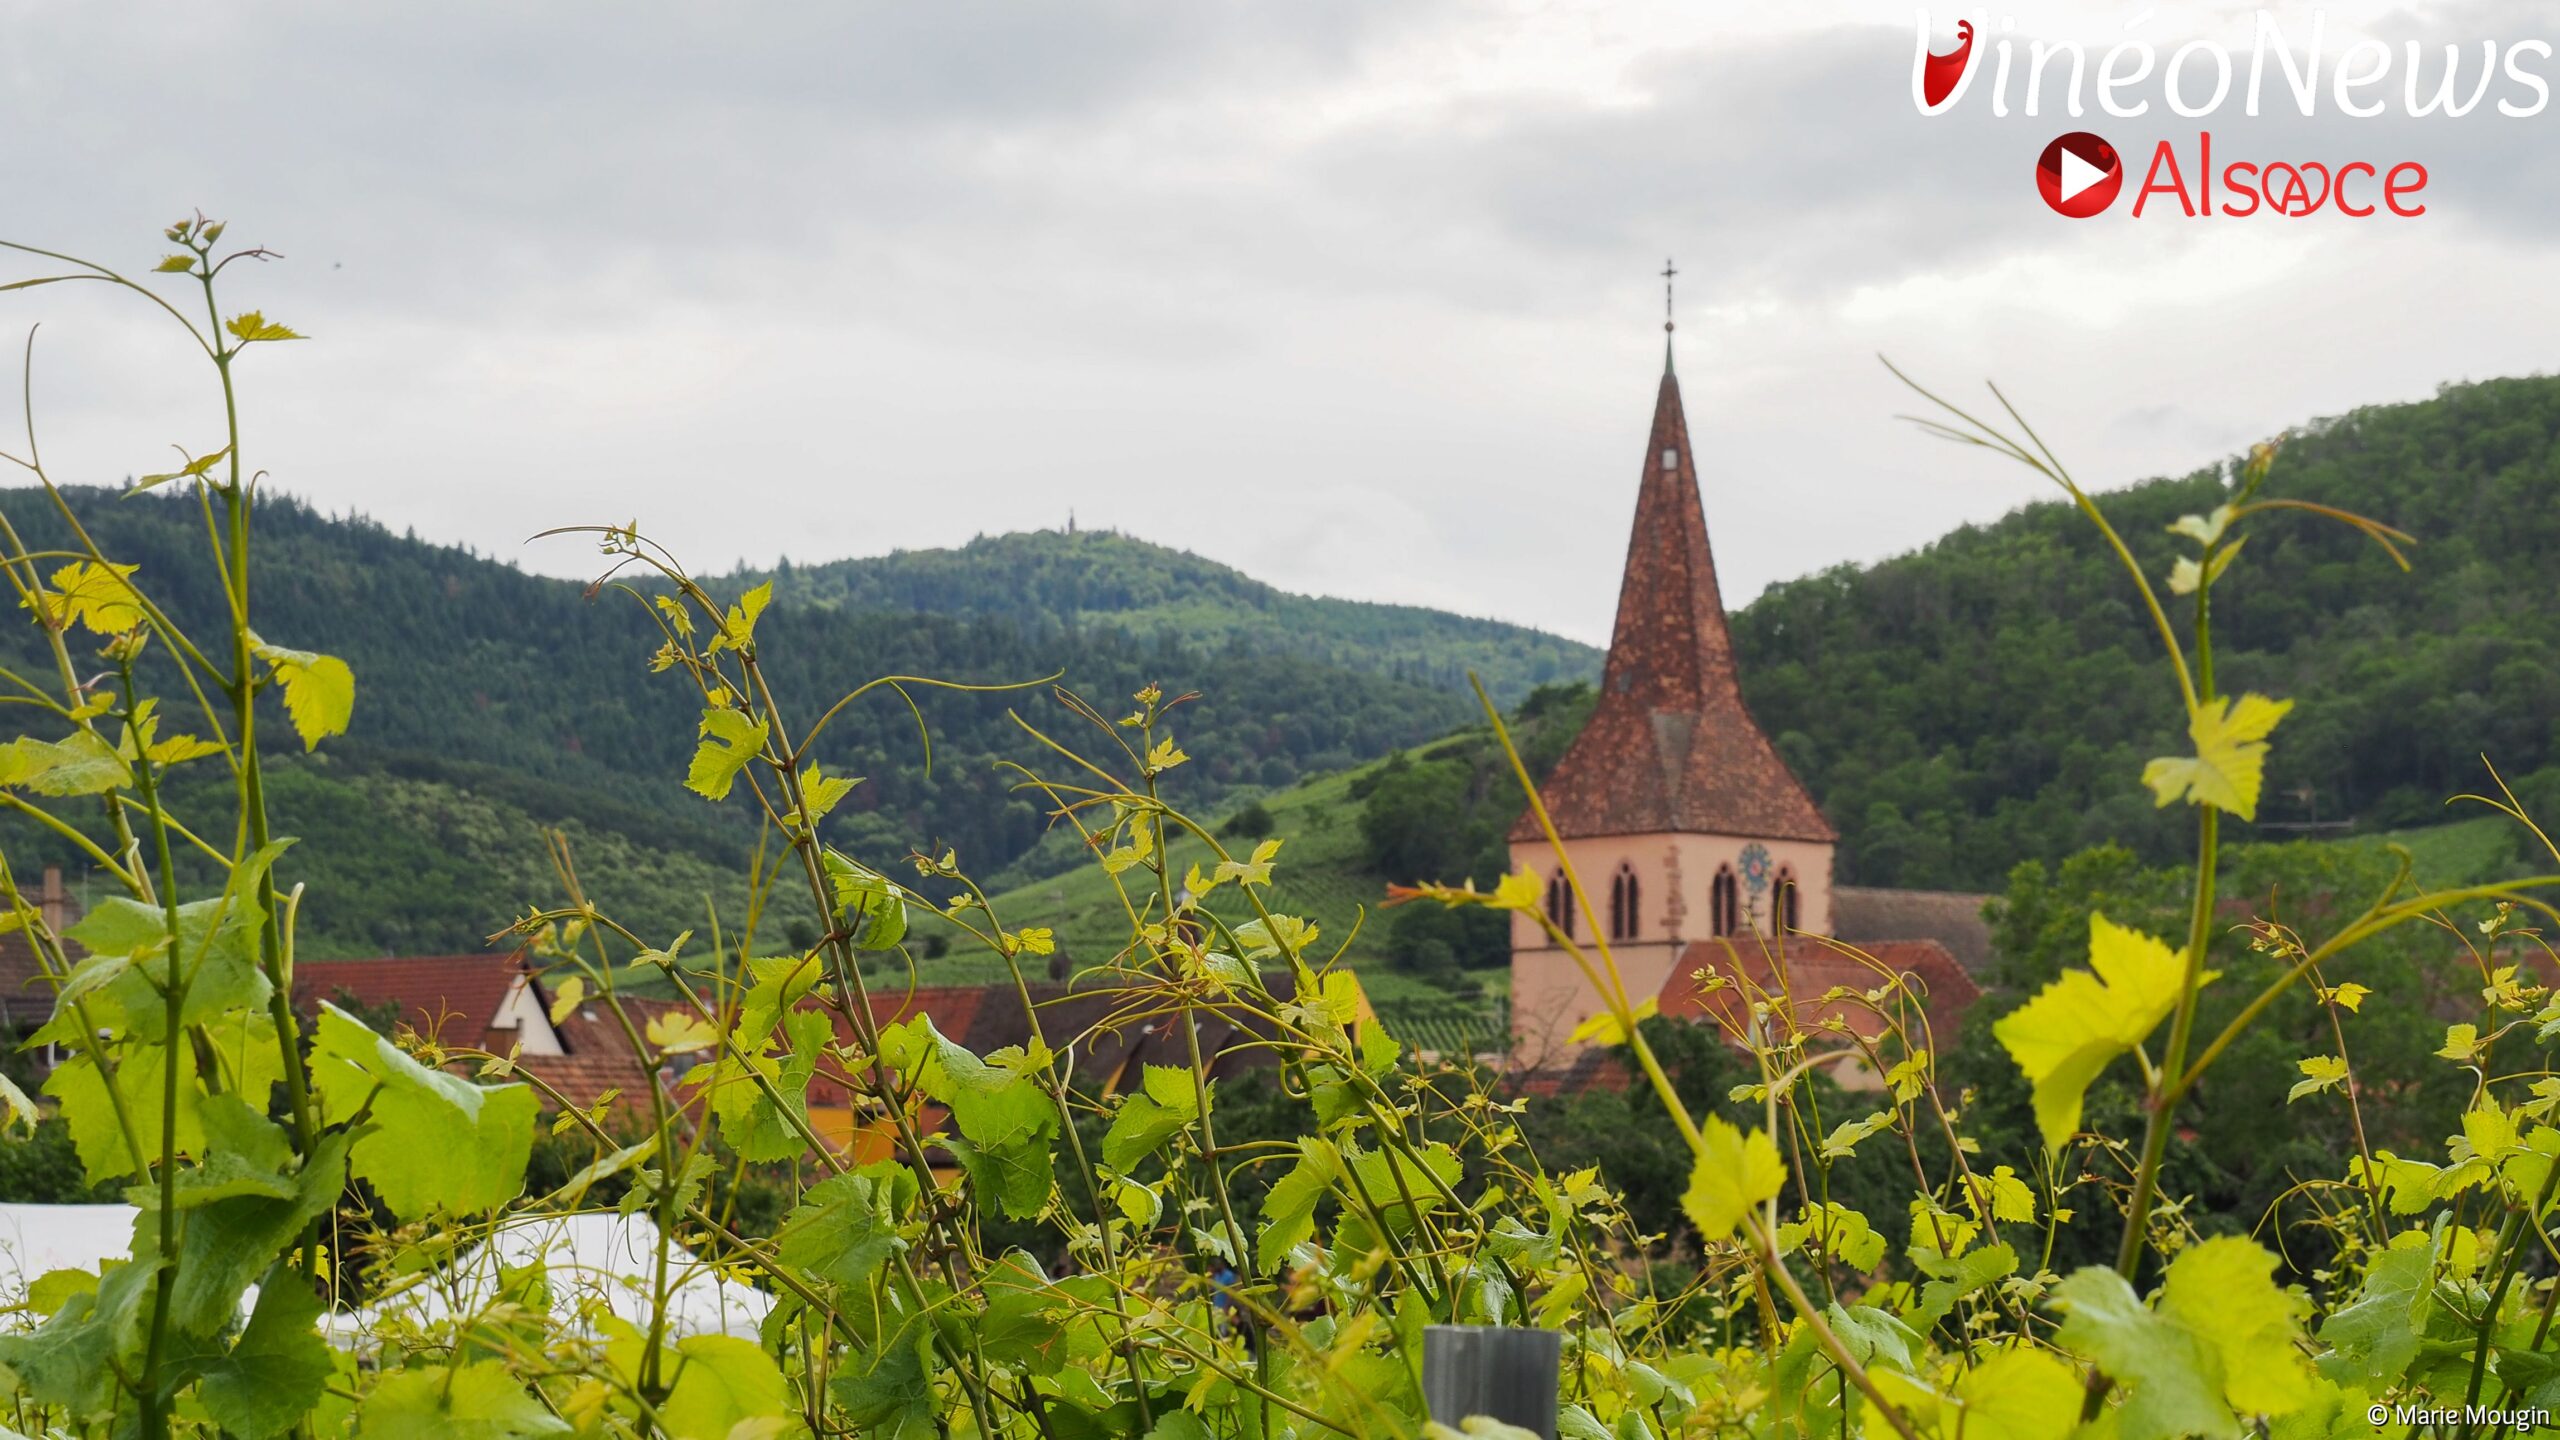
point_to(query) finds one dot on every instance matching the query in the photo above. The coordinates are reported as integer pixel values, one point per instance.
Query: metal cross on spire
(1668, 271)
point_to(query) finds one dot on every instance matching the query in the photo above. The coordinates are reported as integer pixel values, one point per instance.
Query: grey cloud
(531, 144)
(914, 270)
(1794, 165)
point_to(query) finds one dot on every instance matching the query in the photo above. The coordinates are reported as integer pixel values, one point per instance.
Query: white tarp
(38, 1238)
(612, 1258)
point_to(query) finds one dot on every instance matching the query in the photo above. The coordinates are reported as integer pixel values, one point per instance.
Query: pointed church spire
(1670, 646)
(1671, 746)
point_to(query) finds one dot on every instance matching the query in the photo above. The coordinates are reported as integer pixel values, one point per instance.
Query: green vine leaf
(2230, 760)
(871, 910)
(2203, 529)
(2319, 1072)
(82, 763)
(749, 1119)
(224, 1243)
(79, 1088)
(724, 1384)
(21, 1113)
(845, 1228)
(821, 792)
(1026, 1320)
(196, 469)
(1161, 1110)
(216, 953)
(2077, 1025)
(1007, 1122)
(1953, 1278)
(1289, 1209)
(319, 690)
(2186, 576)
(99, 598)
(1255, 871)
(436, 1402)
(279, 1370)
(2380, 1330)
(888, 1392)
(2220, 1344)
(730, 739)
(2020, 1394)
(738, 626)
(66, 1362)
(436, 1141)
(1837, 1231)
(251, 326)
(1733, 1172)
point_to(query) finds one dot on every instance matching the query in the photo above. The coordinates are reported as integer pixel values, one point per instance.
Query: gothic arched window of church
(1724, 902)
(1622, 903)
(1787, 913)
(1560, 903)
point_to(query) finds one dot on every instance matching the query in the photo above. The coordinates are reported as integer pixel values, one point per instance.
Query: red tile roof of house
(450, 999)
(456, 1001)
(1671, 746)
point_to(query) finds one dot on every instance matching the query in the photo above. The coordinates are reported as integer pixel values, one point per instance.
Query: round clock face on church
(1755, 868)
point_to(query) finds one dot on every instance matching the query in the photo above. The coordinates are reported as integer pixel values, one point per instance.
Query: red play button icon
(2079, 175)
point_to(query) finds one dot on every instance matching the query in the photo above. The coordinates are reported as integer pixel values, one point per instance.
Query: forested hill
(488, 698)
(1099, 579)
(1994, 696)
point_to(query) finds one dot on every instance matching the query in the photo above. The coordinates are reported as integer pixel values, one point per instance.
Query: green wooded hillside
(1076, 581)
(1993, 697)
(487, 697)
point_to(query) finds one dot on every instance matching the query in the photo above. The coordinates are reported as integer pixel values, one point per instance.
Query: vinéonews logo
(2079, 174)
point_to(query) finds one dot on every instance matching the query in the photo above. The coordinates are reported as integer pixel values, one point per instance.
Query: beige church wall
(1673, 873)
(1549, 994)
(1550, 998)
(1700, 855)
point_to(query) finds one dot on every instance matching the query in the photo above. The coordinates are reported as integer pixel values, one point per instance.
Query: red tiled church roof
(1671, 746)
(1824, 981)
(1818, 981)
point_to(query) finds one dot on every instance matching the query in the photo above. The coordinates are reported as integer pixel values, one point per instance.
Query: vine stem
(2510, 1254)
(155, 1414)
(2167, 1091)
(243, 691)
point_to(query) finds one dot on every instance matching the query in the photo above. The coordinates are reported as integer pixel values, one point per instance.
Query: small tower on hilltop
(1681, 819)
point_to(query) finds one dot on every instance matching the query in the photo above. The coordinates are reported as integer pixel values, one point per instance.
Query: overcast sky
(1358, 297)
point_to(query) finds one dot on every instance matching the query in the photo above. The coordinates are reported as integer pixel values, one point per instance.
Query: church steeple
(1671, 746)
(1670, 648)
